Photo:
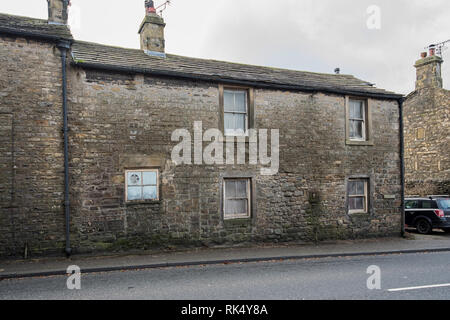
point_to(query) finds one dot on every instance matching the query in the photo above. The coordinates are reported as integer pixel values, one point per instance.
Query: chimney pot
(432, 50)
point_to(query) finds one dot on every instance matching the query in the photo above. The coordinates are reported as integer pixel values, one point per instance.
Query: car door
(428, 207)
(410, 211)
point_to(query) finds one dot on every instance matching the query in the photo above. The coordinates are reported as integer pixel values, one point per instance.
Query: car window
(411, 204)
(444, 204)
(429, 204)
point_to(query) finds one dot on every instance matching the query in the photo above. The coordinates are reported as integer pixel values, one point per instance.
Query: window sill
(357, 212)
(142, 202)
(359, 143)
(237, 222)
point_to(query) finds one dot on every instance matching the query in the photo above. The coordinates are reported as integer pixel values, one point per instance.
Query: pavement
(413, 243)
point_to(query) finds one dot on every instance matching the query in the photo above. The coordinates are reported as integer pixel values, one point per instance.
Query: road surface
(407, 276)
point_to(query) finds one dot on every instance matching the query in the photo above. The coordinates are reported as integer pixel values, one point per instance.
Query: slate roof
(92, 55)
(32, 27)
(99, 56)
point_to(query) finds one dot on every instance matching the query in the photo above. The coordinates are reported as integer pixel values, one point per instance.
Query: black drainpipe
(64, 46)
(402, 165)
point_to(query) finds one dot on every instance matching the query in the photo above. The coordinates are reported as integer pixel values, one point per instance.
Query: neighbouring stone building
(339, 171)
(427, 127)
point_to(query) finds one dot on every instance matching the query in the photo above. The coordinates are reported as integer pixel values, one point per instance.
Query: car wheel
(423, 226)
(446, 230)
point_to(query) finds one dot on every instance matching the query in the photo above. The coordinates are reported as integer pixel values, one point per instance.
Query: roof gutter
(33, 35)
(220, 79)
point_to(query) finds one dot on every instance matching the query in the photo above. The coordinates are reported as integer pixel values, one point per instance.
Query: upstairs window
(235, 108)
(357, 120)
(142, 185)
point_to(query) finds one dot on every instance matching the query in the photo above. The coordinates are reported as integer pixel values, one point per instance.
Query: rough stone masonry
(124, 105)
(427, 127)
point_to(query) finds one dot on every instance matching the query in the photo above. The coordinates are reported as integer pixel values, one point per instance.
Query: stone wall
(427, 124)
(121, 121)
(125, 121)
(31, 159)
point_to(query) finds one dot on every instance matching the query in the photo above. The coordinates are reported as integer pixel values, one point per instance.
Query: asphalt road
(329, 278)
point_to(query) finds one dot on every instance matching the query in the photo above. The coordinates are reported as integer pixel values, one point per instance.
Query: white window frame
(248, 198)
(142, 185)
(236, 133)
(365, 195)
(364, 120)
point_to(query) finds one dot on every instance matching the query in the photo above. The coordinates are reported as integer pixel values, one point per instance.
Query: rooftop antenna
(439, 47)
(160, 9)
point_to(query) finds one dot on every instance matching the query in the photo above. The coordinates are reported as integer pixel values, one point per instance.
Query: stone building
(105, 179)
(427, 127)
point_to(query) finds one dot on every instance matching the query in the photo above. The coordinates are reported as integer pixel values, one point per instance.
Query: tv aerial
(439, 47)
(161, 8)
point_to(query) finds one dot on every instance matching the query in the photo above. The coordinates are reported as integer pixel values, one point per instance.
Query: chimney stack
(58, 11)
(152, 31)
(428, 70)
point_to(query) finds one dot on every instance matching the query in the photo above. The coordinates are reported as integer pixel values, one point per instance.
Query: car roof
(431, 198)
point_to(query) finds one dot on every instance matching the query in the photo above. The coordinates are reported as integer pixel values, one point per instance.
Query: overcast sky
(310, 35)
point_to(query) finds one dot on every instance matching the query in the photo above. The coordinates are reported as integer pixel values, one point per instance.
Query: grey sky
(310, 35)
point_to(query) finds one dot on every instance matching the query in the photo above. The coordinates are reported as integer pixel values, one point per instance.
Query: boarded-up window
(236, 198)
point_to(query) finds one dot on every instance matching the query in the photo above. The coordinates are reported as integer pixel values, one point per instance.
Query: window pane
(240, 101)
(230, 189)
(412, 204)
(150, 193)
(356, 203)
(360, 188)
(134, 193)
(134, 178)
(230, 123)
(239, 122)
(429, 204)
(149, 178)
(228, 101)
(356, 129)
(356, 110)
(234, 207)
(352, 188)
(241, 189)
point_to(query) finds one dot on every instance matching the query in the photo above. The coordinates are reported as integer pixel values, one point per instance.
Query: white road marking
(421, 287)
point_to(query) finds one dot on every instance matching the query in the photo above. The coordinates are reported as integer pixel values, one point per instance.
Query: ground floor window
(236, 198)
(358, 195)
(142, 185)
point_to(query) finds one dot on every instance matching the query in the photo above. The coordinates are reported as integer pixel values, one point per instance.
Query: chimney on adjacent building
(58, 11)
(428, 70)
(152, 31)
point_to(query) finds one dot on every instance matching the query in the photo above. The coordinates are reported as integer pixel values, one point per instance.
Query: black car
(426, 214)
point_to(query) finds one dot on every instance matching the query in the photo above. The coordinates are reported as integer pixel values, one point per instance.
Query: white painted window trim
(365, 195)
(364, 120)
(142, 185)
(236, 134)
(248, 198)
